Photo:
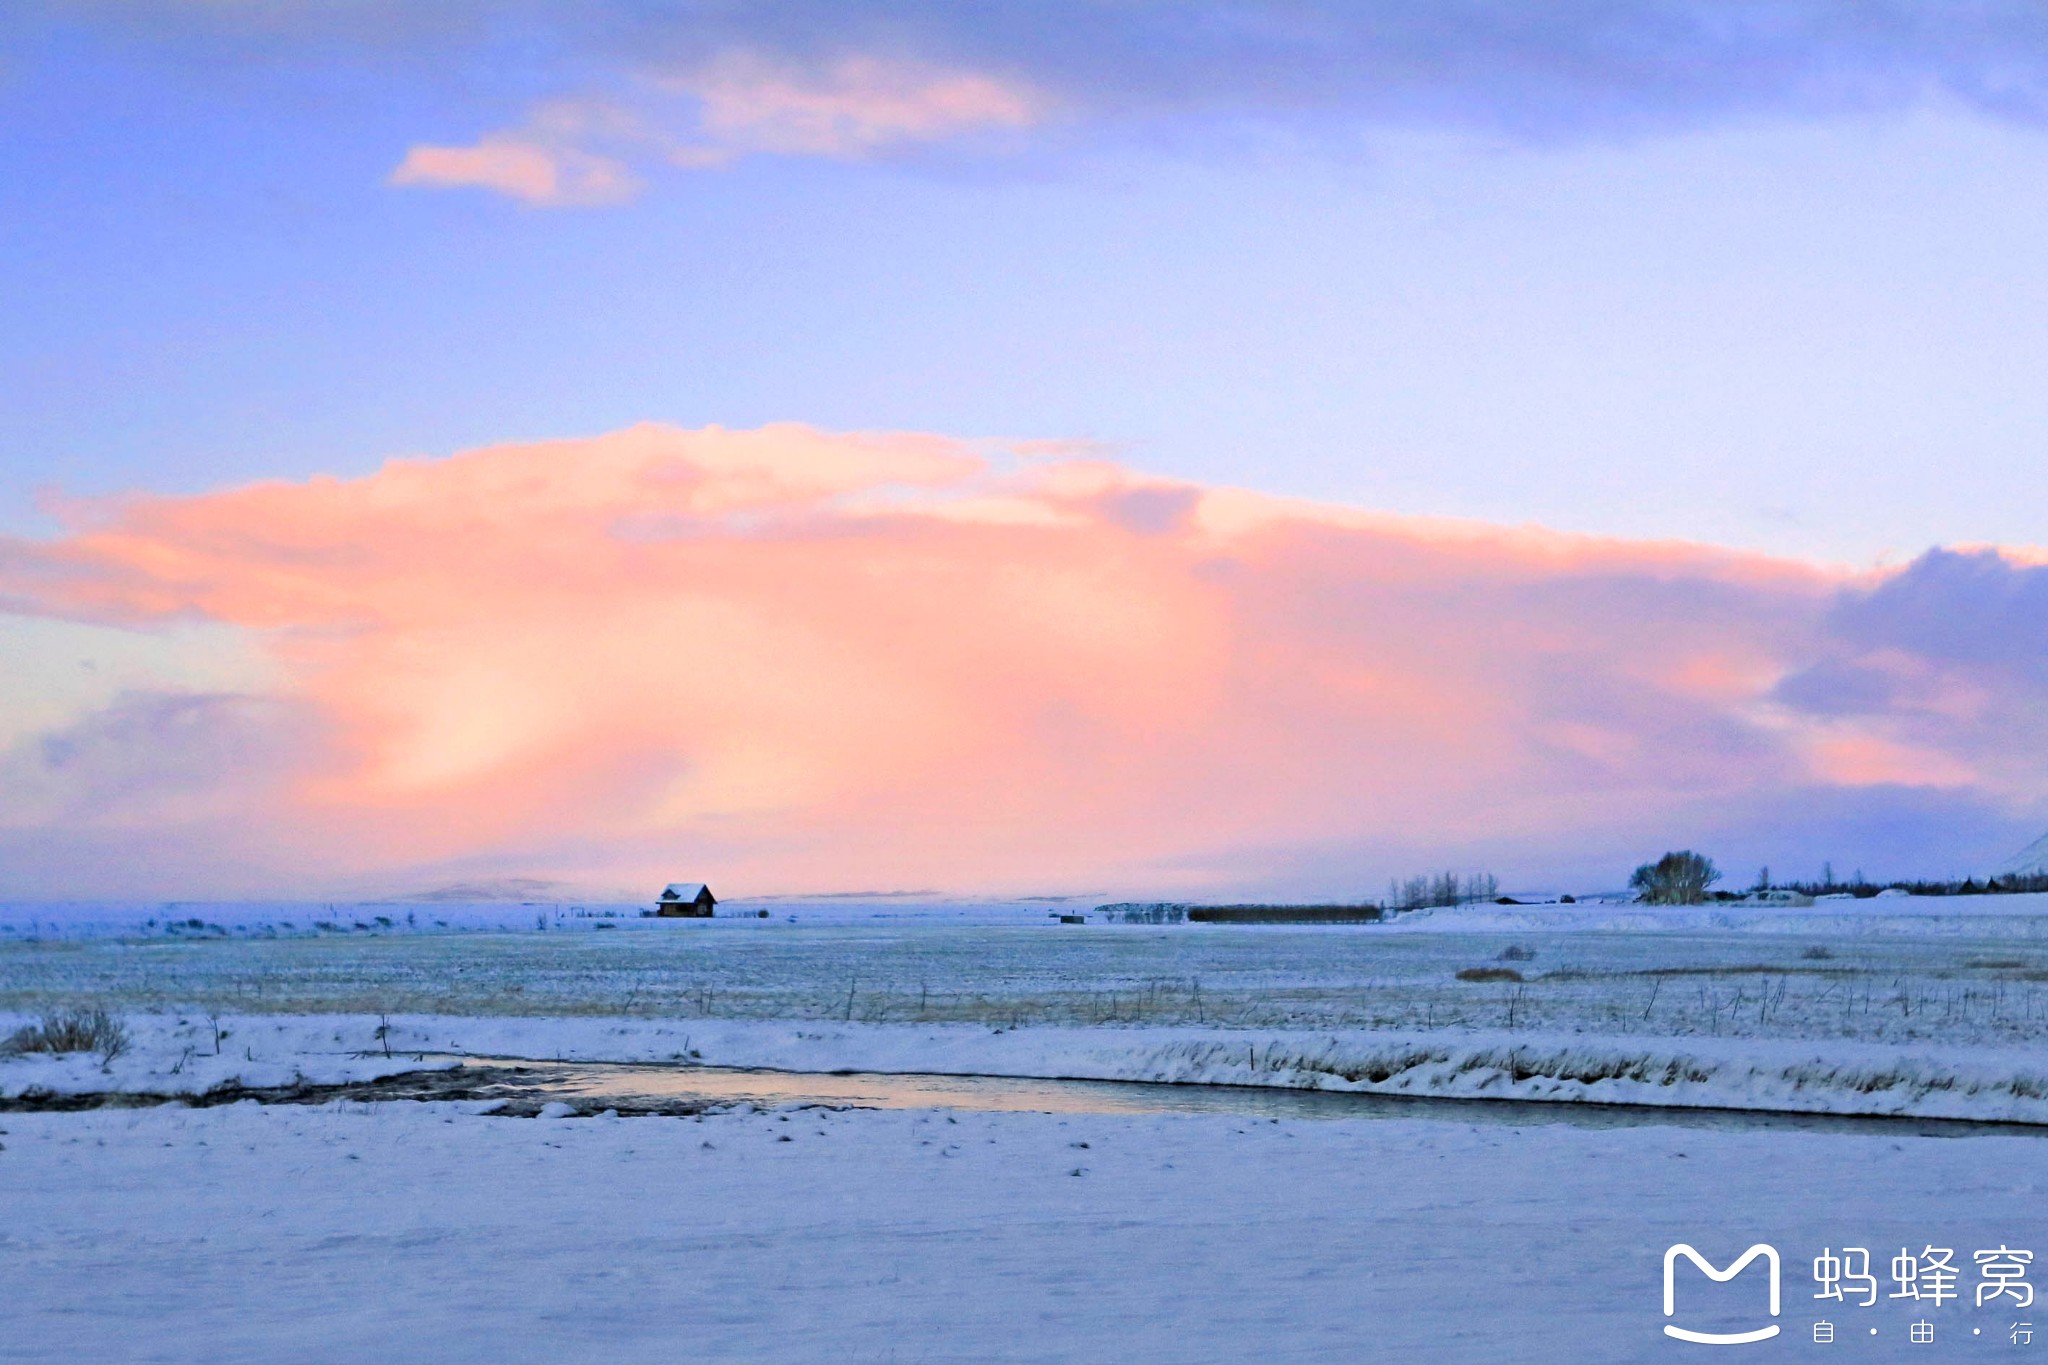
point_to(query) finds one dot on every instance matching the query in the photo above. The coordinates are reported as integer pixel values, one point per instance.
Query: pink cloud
(849, 107)
(538, 174)
(804, 659)
(582, 152)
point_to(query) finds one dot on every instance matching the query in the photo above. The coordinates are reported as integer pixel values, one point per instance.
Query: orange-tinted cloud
(795, 659)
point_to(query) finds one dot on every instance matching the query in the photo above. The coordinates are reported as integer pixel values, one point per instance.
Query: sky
(1250, 448)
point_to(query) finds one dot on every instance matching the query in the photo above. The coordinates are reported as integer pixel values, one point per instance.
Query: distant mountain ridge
(516, 889)
(2031, 861)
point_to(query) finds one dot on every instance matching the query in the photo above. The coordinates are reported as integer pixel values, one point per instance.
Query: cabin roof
(684, 891)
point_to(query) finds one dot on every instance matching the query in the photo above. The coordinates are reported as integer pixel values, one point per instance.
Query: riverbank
(170, 1054)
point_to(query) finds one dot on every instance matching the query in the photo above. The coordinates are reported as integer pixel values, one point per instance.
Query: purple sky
(1768, 277)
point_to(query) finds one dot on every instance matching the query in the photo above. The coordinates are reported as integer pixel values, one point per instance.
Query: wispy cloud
(574, 153)
(539, 172)
(849, 107)
(700, 85)
(808, 659)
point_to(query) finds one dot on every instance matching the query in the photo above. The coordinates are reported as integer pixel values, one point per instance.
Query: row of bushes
(1443, 888)
(1968, 886)
(1683, 878)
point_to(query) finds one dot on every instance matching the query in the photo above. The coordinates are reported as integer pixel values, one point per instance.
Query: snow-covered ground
(190, 1054)
(2019, 917)
(1844, 1012)
(422, 1232)
(2015, 917)
(1975, 975)
(75, 921)
(410, 1231)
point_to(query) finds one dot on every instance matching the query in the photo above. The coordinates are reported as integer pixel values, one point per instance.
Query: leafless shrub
(1817, 953)
(1515, 952)
(74, 1030)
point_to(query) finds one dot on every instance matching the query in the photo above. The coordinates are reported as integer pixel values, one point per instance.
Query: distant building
(685, 900)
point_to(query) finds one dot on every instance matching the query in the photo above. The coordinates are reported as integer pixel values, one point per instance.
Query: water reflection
(657, 1087)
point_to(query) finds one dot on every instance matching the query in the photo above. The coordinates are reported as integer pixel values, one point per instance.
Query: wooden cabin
(685, 900)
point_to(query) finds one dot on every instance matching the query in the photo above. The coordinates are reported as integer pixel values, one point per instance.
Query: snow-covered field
(1964, 972)
(420, 1232)
(1922, 1007)
(76, 921)
(435, 1231)
(2023, 916)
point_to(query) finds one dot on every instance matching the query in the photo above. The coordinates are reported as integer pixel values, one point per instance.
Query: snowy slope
(2030, 861)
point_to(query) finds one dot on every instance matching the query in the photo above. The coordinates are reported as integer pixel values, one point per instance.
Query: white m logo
(1769, 1253)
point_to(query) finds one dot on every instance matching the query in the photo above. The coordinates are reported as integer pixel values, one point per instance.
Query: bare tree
(1680, 878)
(1446, 888)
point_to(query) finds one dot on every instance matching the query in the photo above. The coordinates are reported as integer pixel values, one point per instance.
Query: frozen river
(641, 1088)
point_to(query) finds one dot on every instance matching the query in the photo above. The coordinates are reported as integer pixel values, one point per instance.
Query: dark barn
(685, 900)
